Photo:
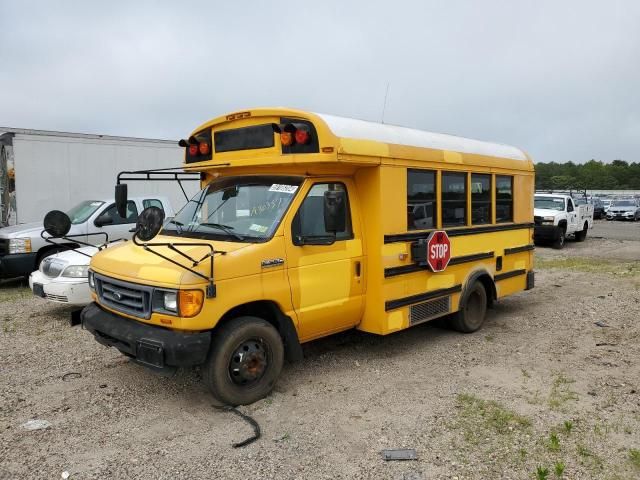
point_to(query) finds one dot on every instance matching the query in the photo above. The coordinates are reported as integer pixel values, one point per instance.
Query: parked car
(22, 247)
(625, 209)
(62, 277)
(598, 208)
(558, 215)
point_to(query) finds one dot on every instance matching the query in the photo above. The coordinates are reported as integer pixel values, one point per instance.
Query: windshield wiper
(177, 224)
(228, 229)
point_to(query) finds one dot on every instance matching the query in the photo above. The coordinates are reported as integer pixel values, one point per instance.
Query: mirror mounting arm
(73, 238)
(211, 288)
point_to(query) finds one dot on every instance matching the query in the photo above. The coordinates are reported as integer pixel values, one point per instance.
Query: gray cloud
(558, 79)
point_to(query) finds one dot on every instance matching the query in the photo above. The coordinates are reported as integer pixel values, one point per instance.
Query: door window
(152, 202)
(569, 205)
(309, 220)
(132, 214)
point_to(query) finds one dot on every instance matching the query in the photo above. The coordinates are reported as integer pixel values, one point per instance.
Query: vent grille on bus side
(4, 247)
(422, 312)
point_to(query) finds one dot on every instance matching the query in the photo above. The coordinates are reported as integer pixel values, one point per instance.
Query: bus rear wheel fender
(478, 294)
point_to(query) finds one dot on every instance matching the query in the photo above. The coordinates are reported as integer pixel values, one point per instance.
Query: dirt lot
(540, 387)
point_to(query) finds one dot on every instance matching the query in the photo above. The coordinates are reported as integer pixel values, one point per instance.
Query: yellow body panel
(325, 289)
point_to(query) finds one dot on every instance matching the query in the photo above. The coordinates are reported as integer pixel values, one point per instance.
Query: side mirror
(335, 211)
(149, 223)
(103, 220)
(121, 199)
(56, 223)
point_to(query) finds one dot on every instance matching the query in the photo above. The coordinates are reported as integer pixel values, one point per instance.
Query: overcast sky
(559, 79)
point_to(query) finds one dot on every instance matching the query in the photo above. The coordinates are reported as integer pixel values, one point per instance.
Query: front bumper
(155, 347)
(619, 216)
(69, 291)
(17, 264)
(546, 232)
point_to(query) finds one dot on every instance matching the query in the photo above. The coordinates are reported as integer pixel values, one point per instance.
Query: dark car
(598, 208)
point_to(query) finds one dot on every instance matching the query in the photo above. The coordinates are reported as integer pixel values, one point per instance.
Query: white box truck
(44, 170)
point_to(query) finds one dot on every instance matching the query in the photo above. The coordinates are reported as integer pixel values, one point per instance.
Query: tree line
(590, 175)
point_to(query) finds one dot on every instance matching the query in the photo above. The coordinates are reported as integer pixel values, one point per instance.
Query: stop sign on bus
(438, 250)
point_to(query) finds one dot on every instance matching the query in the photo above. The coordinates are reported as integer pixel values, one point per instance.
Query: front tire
(471, 315)
(244, 361)
(558, 244)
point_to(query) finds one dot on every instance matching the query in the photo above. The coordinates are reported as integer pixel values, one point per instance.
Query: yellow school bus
(307, 225)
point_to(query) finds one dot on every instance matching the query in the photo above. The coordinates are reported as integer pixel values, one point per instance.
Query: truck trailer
(42, 170)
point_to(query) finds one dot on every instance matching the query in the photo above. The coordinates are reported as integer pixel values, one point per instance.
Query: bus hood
(133, 263)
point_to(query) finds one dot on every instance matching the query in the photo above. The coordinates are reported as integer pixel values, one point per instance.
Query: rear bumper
(152, 346)
(17, 264)
(546, 232)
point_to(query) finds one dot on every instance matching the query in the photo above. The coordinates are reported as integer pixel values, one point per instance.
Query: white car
(62, 277)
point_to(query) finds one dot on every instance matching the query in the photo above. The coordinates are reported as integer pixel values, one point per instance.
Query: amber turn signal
(190, 302)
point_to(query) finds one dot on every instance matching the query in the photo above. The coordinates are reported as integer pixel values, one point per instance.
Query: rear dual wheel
(244, 361)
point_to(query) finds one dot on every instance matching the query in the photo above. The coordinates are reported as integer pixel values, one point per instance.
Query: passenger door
(327, 281)
(113, 224)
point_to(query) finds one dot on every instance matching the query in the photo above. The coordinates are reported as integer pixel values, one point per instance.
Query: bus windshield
(237, 209)
(550, 203)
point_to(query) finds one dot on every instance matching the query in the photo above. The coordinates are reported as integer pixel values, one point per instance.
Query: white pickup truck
(558, 215)
(22, 247)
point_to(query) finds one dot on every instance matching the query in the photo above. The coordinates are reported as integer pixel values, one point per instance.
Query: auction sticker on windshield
(276, 187)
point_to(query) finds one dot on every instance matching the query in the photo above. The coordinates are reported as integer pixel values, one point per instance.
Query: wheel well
(271, 312)
(44, 251)
(563, 224)
(488, 284)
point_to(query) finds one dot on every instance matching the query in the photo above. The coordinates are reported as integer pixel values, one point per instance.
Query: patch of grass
(558, 469)
(525, 373)
(542, 473)
(479, 417)
(560, 392)
(634, 457)
(14, 294)
(489, 338)
(523, 454)
(590, 265)
(554, 443)
(567, 426)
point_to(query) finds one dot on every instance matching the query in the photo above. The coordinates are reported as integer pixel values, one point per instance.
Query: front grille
(422, 312)
(57, 298)
(125, 297)
(52, 268)
(537, 220)
(4, 247)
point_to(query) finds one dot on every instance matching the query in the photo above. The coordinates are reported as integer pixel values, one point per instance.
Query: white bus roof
(380, 132)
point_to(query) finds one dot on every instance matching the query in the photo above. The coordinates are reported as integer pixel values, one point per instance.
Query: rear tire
(581, 235)
(471, 315)
(244, 361)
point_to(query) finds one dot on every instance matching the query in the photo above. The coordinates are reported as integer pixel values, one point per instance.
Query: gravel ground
(540, 386)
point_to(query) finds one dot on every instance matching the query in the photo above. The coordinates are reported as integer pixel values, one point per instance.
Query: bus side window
(454, 199)
(480, 199)
(421, 199)
(504, 199)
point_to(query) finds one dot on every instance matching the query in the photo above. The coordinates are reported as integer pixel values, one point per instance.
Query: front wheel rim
(249, 362)
(474, 310)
